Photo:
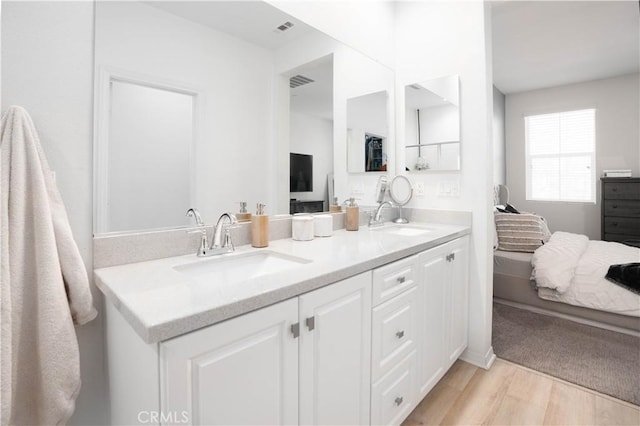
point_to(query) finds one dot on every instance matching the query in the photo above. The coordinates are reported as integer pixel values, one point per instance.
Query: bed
(512, 285)
(568, 280)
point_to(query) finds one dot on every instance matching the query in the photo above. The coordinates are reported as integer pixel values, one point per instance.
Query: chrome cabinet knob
(399, 400)
(400, 334)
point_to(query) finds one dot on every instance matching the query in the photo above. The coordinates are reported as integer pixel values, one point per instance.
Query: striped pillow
(519, 232)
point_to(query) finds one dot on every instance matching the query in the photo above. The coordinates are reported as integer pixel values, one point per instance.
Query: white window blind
(560, 156)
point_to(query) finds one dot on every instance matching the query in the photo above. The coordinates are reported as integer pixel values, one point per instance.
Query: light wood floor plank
(609, 412)
(482, 396)
(509, 394)
(459, 375)
(530, 387)
(434, 406)
(515, 411)
(569, 405)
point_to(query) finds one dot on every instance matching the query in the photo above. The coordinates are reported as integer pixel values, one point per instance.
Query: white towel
(45, 288)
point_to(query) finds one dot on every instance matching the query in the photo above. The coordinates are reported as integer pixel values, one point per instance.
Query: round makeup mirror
(401, 191)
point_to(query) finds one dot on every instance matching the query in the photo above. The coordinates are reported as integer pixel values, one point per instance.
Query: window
(561, 156)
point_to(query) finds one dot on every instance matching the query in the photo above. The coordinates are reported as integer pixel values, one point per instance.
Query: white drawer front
(394, 328)
(393, 279)
(393, 396)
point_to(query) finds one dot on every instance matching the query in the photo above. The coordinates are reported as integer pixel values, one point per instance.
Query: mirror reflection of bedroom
(566, 283)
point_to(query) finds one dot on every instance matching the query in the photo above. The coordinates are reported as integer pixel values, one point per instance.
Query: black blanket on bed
(626, 276)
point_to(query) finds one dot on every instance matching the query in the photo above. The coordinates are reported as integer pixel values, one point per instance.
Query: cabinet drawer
(624, 239)
(621, 191)
(622, 225)
(622, 208)
(393, 279)
(394, 328)
(393, 396)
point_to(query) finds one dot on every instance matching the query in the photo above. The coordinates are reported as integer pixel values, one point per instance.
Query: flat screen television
(301, 172)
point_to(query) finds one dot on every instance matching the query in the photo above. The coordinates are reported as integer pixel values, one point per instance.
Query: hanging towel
(44, 284)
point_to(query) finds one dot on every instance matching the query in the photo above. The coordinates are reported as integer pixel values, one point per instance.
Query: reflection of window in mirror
(432, 125)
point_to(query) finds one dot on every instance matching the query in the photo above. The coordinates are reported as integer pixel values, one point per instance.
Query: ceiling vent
(285, 26)
(299, 80)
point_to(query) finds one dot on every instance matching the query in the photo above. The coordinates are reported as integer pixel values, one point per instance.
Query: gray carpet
(602, 360)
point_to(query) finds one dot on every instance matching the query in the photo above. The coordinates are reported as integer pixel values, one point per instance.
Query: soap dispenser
(243, 215)
(335, 207)
(260, 227)
(352, 220)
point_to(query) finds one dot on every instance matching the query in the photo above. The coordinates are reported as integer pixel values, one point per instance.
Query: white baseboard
(478, 359)
(567, 317)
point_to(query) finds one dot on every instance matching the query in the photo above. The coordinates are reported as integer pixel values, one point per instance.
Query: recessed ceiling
(538, 44)
(252, 21)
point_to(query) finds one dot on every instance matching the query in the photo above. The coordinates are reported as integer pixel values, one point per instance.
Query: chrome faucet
(217, 245)
(374, 219)
(204, 245)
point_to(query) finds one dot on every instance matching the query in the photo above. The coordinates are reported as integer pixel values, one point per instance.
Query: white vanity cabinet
(457, 300)
(303, 360)
(335, 353)
(419, 327)
(364, 350)
(241, 371)
(394, 341)
(443, 292)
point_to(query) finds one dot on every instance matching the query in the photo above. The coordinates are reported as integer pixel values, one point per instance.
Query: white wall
(366, 114)
(314, 136)
(499, 148)
(437, 124)
(235, 79)
(617, 106)
(367, 26)
(47, 67)
(436, 39)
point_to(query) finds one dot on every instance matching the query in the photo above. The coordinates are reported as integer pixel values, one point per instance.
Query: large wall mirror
(432, 125)
(244, 88)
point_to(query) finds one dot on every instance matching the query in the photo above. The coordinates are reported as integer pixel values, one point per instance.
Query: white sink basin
(235, 268)
(403, 230)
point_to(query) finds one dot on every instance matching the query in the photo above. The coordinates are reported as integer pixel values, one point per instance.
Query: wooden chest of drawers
(621, 210)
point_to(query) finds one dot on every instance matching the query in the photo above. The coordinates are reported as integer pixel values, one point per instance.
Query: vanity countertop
(160, 302)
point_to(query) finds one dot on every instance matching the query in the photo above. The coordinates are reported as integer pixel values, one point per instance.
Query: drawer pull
(399, 400)
(614, 223)
(401, 279)
(310, 323)
(400, 334)
(615, 206)
(295, 330)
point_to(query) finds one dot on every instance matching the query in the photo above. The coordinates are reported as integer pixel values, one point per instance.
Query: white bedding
(571, 269)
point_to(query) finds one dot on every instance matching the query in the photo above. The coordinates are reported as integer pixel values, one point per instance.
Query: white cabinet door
(335, 353)
(457, 303)
(241, 371)
(433, 323)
